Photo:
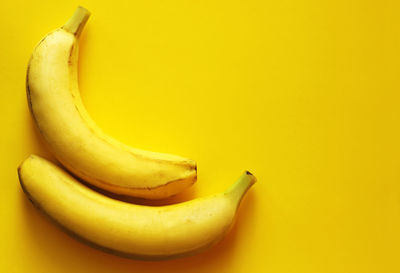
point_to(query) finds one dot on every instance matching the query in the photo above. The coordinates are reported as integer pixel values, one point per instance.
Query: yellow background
(305, 94)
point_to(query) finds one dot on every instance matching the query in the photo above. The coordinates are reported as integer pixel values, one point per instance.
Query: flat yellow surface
(305, 94)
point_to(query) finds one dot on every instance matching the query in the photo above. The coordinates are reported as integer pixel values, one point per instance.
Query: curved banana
(76, 141)
(126, 229)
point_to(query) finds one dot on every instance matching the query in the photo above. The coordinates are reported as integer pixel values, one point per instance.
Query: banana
(76, 141)
(125, 229)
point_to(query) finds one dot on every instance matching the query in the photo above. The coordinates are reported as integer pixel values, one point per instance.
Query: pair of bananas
(145, 232)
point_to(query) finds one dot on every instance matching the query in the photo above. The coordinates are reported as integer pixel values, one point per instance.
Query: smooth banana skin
(125, 229)
(76, 141)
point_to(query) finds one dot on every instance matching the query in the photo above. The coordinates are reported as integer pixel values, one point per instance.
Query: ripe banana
(74, 138)
(126, 229)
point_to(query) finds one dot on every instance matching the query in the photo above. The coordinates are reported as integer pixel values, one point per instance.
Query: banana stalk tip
(242, 185)
(77, 21)
(248, 173)
(82, 7)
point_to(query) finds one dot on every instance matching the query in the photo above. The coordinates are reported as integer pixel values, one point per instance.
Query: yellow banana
(76, 141)
(127, 229)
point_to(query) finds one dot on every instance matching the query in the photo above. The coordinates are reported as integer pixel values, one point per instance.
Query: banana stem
(242, 185)
(77, 21)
